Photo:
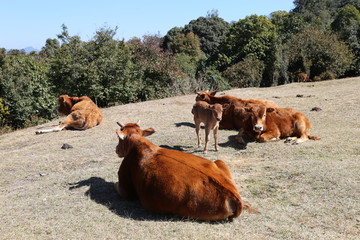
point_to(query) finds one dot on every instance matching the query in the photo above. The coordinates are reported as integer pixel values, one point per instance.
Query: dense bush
(25, 90)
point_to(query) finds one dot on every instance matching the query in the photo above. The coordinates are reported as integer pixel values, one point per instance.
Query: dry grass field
(307, 191)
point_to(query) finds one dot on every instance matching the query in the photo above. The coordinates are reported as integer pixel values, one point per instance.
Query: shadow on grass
(186, 124)
(176, 147)
(103, 192)
(234, 144)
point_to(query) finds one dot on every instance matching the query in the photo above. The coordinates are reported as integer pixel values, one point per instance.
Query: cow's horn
(120, 124)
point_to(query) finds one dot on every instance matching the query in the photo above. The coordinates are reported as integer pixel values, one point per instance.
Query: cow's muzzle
(258, 128)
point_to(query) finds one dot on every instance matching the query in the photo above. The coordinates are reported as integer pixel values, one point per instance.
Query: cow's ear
(225, 106)
(248, 109)
(148, 132)
(120, 134)
(200, 96)
(270, 109)
(213, 92)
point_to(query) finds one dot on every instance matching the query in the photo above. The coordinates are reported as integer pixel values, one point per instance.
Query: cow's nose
(219, 119)
(258, 128)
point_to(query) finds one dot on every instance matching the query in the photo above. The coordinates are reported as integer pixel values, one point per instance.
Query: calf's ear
(148, 132)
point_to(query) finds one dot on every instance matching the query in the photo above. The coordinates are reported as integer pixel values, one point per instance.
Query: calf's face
(217, 111)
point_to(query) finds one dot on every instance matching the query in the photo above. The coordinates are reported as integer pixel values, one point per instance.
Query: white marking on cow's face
(259, 122)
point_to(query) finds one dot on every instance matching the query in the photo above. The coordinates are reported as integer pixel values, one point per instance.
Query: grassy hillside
(308, 191)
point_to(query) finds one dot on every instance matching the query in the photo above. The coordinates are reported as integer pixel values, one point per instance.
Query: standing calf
(211, 116)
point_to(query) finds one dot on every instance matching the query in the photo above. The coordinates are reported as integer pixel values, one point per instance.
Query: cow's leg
(239, 136)
(75, 120)
(302, 129)
(269, 136)
(124, 186)
(216, 137)
(290, 139)
(197, 129)
(55, 129)
(207, 133)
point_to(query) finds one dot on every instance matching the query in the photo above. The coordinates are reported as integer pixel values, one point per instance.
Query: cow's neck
(140, 149)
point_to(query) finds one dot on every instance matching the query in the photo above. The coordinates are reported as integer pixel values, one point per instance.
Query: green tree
(347, 27)
(287, 24)
(161, 76)
(253, 36)
(246, 73)
(188, 44)
(211, 31)
(26, 91)
(318, 54)
(50, 48)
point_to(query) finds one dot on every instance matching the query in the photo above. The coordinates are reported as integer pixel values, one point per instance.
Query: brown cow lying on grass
(82, 113)
(210, 115)
(271, 124)
(303, 77)
(170, 181)
(227, 121)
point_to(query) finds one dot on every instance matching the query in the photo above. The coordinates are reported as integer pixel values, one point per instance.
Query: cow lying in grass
(170, 181)
(271, 124)
(82, 113)
(228, 118)
(210, 115)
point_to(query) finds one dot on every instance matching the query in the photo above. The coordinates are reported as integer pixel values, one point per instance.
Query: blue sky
(26, 23)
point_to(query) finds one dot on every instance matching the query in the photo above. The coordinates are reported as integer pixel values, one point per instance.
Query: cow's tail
(313, 138)
(247, 206)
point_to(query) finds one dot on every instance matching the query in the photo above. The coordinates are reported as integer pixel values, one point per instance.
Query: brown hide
(303, 77)
(169, 181)
(210, 115)
(81, 113)
(277, 123)
(227, 121)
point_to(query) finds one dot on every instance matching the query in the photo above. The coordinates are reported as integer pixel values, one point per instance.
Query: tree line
(318, 37)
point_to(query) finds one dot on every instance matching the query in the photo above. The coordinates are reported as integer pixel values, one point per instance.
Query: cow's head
(205, 95)
(66, 103)
(217, 111)
(127, 132)
(258, 116)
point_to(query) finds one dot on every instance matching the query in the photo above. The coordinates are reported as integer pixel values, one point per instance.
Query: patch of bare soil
(60, 185)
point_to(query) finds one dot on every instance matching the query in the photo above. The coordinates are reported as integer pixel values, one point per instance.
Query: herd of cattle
(180, 183)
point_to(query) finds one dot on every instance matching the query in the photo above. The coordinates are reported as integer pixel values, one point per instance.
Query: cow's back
(186, 185)
(284, 119)
(89, 111)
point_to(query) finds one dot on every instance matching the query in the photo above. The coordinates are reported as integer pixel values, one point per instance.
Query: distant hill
(30, 49)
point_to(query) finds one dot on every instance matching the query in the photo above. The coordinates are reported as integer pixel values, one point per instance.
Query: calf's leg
(216, 137)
